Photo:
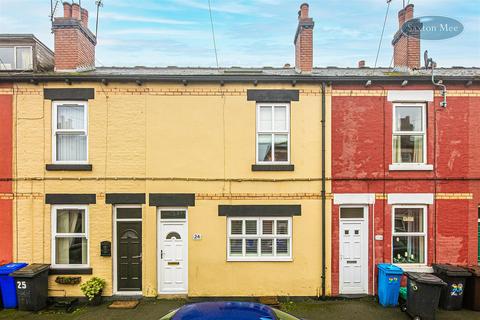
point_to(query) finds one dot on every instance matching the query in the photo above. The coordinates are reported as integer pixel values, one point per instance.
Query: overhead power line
(213, 33)
(381, 36)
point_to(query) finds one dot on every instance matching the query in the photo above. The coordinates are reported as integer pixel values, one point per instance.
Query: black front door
(129, 255)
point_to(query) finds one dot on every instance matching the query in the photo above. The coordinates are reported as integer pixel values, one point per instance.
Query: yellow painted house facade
(200, 188)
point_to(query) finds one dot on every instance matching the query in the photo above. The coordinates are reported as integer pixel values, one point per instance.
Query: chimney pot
(76, 11)
(361, 64)
(304, 8)
(67, 10)
(84, 15)
(304, 41)
(408, 12)
(401, 18)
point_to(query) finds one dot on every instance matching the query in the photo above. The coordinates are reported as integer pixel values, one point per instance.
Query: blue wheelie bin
(7, 284)
(389, 278)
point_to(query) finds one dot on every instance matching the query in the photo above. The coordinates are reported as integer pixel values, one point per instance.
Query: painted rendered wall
(6, 235)
(158, 131)
(362, 148)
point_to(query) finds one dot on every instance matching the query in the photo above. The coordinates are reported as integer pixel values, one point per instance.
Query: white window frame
(410, 165)
(406, 234)
(55, 105)
(55, 208)
(259, 236)
(15, 57)
(272, 132)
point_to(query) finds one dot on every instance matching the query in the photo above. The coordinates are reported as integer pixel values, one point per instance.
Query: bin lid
(427, 278)
(11, 267)
(450, 270)
(390, 268)
(31, 270)
(474, 270)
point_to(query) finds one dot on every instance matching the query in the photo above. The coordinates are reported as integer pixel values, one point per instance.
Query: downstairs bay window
(69, 236)
(409, 243)
(259, 239)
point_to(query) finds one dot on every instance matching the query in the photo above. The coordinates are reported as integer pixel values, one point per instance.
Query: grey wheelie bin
(455, 277)
(423, 294)
(32, 287)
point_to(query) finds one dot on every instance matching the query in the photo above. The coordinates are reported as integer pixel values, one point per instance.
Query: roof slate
(233, 74)
(327, 72)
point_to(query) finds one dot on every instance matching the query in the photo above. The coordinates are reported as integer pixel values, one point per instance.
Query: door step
(172, 296)
(353, 296)
(270, 301)
(124, 304)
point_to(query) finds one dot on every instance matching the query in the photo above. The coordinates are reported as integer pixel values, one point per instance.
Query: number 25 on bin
(21, 285)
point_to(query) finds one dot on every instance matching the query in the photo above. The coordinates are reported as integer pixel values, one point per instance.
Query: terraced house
(171, 181)
(201, 181)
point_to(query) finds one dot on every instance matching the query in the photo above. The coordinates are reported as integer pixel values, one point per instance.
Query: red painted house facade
(6, 232)
(405, 173)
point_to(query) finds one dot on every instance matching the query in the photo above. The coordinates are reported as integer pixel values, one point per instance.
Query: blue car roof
(223, 310)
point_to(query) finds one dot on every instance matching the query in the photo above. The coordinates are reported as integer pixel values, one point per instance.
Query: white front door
(173, 253)
(353, 251)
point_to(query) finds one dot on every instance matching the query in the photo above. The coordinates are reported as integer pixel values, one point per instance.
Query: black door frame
(115, 248)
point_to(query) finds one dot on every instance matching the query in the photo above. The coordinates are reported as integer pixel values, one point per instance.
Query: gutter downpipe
(323, 192)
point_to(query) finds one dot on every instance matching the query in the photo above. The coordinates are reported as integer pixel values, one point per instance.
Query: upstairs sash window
(273, 133)
(70, 132)
(409, 138)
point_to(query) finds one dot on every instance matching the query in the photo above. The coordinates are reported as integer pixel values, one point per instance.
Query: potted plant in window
(92, 289)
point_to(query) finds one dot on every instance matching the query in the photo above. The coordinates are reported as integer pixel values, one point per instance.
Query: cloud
(138, 32)
(145, 19)
(224, 6)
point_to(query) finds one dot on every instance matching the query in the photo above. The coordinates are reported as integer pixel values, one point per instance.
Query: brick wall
(6, 235)
(361, 158)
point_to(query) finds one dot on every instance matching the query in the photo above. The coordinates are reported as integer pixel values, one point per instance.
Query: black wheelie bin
(455, 277)
(471, 298)
(32, 286)
(423, 294)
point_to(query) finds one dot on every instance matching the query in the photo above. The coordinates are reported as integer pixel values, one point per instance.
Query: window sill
(68, 271)
(414, 267)
(68, 167)
(273, 167)
(410, 167)
(256, 259)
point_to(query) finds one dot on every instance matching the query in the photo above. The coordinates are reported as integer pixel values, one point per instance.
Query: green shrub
(92, 287)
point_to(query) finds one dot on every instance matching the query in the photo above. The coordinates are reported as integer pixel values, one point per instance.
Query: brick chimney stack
(406, 50)
(74, 42)
(304, 41)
